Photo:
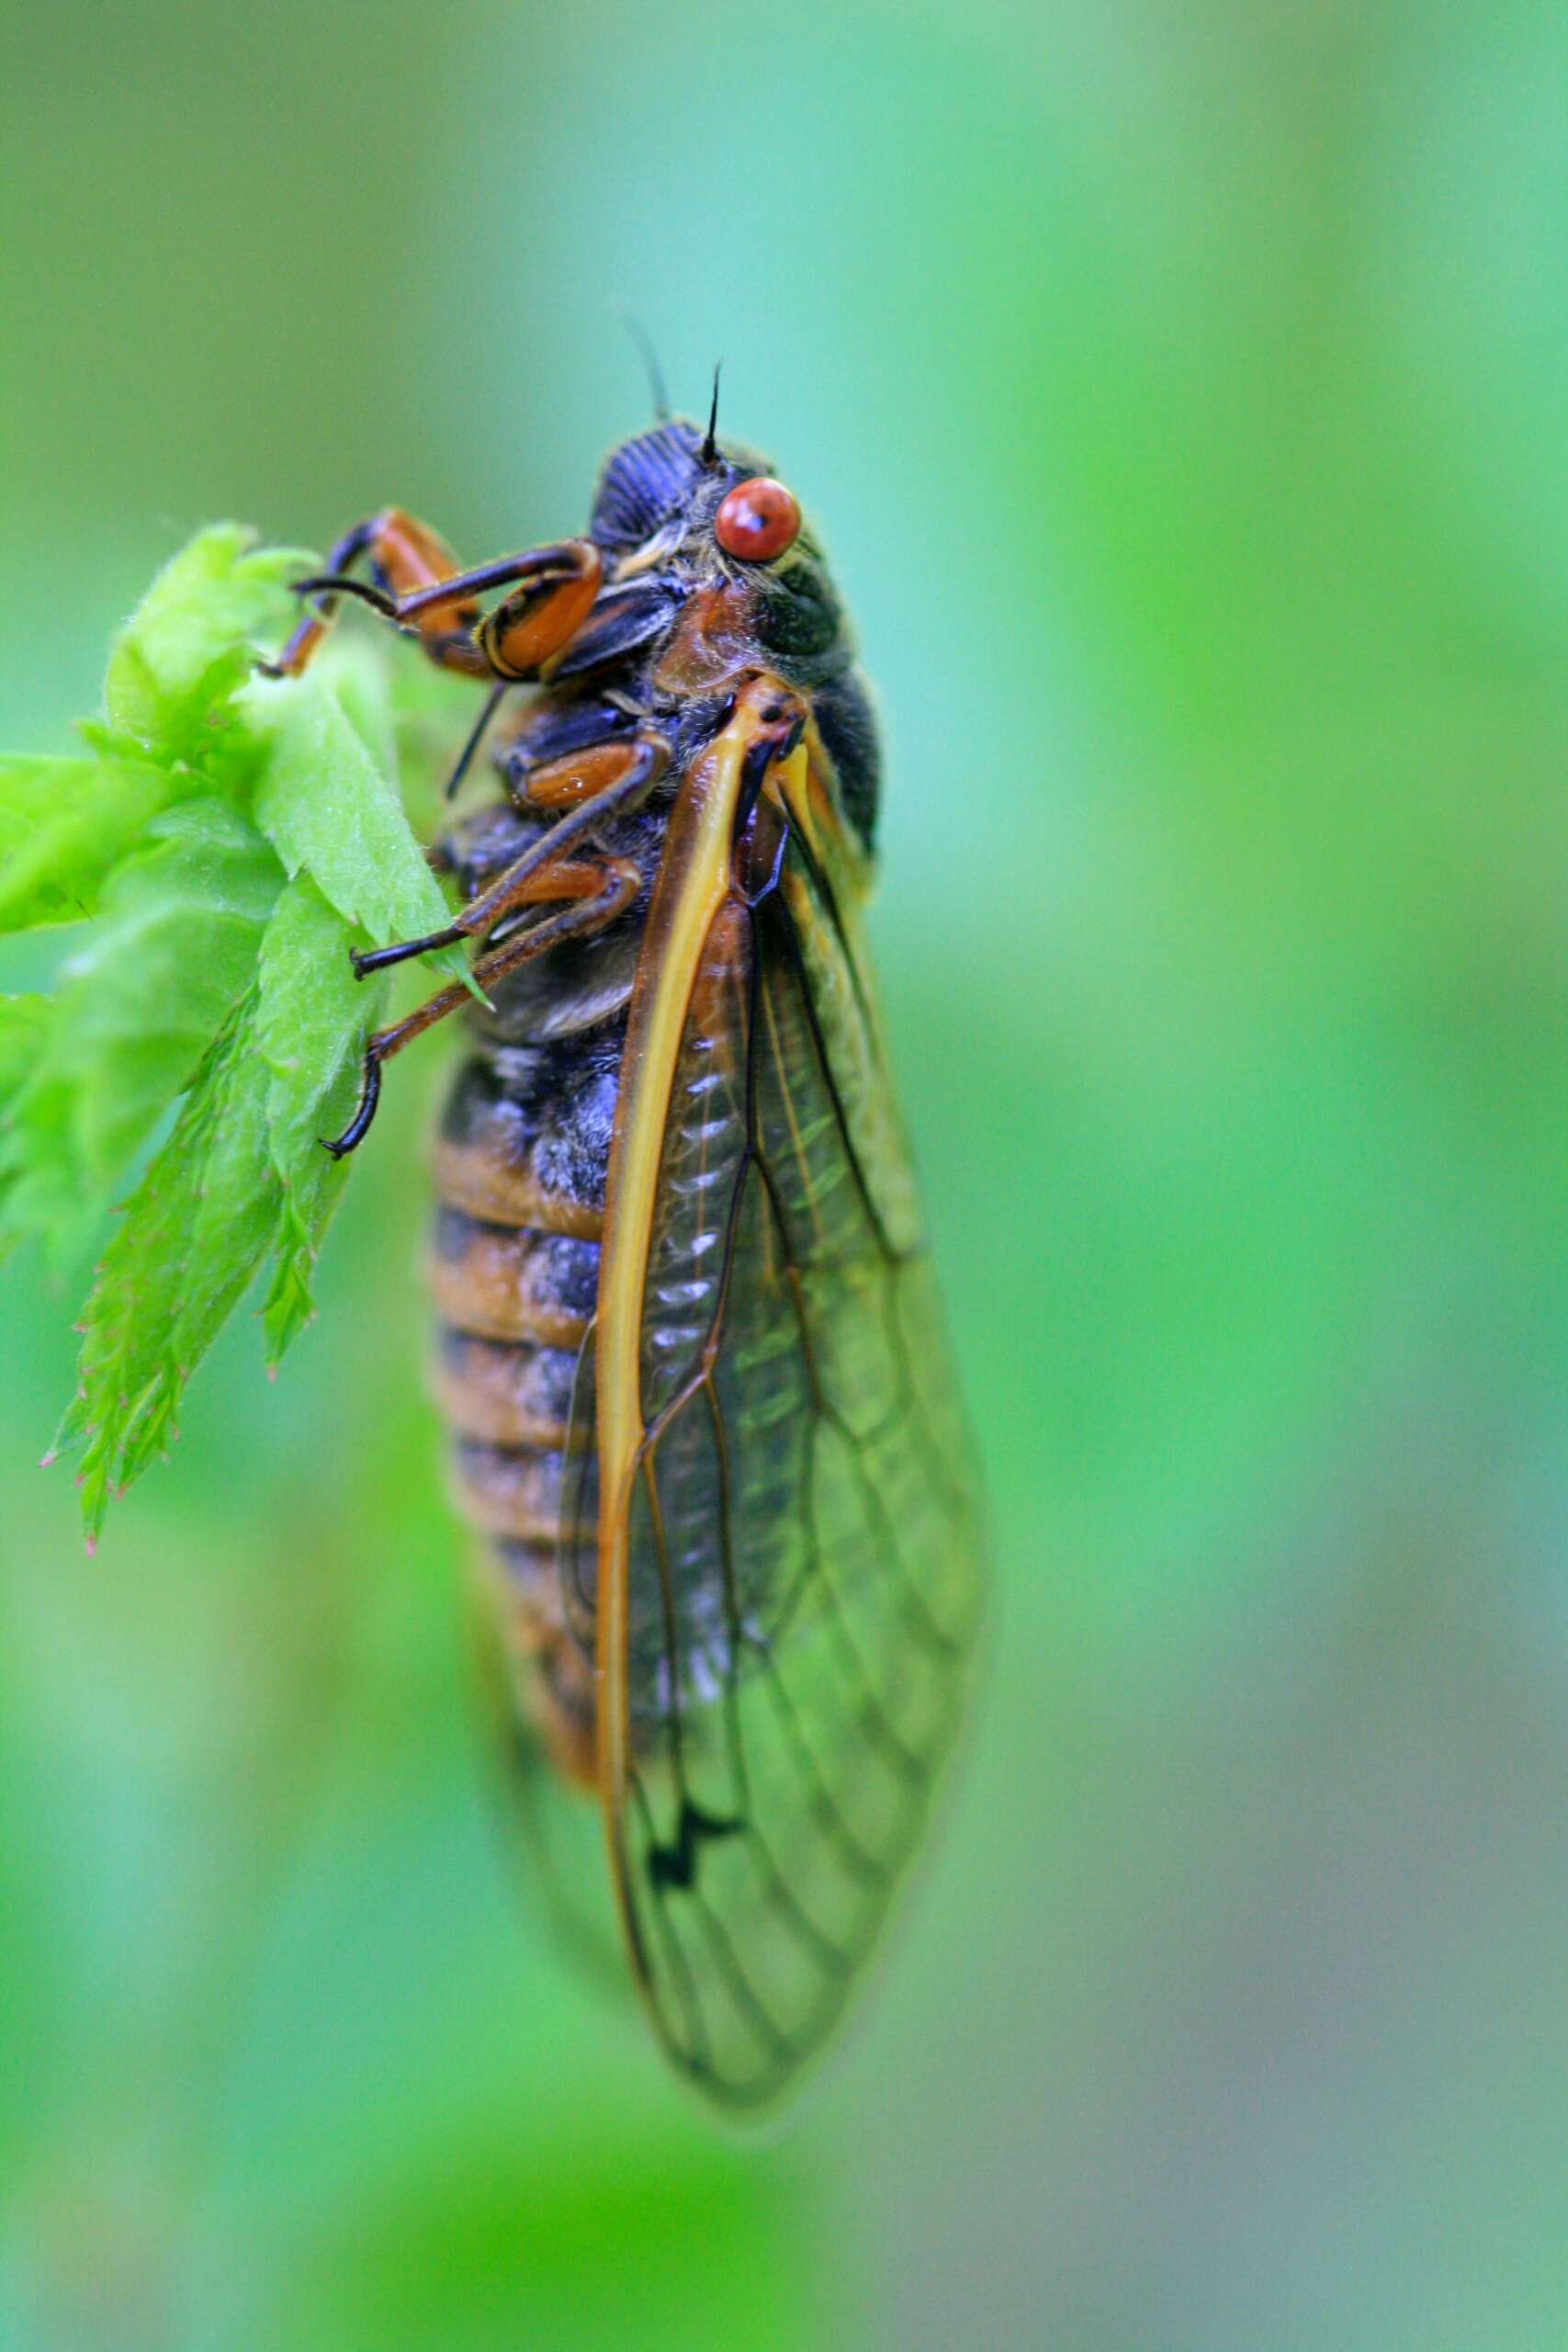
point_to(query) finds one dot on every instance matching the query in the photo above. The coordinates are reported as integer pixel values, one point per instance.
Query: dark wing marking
(804, 1551)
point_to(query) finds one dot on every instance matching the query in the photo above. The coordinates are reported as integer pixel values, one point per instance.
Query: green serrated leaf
(356, 667)
(64, 825)
(195, 1231)
(41, 1194)
(312, 1021)
(229, 838)
(432, 714)
(313, 1015)
(330, 811)
(307, 1209)
(24, 1026)
(137, 1009)
(194, 636)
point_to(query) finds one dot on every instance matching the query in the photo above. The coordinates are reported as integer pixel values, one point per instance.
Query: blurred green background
(1180, 389)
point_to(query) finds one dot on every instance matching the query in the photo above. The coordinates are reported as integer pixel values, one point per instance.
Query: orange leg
(418, 585)
(634, 767)
(597, 890)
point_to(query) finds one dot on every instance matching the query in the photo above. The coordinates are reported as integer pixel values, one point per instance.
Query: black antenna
(655, 384)
(710, 446)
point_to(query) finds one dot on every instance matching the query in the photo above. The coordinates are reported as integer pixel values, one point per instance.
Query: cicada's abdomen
(520, 1166)
(513, 1267)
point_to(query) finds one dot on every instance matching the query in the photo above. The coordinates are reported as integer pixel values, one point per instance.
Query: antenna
(655, 384)
(710, 446)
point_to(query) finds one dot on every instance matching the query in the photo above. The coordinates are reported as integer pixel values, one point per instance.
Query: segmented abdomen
(514, 1268)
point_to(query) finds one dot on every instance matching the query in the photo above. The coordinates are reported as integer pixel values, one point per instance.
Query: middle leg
(596, 890)
(623, 780)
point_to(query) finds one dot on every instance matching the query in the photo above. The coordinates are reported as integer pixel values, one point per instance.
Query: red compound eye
(757, 520)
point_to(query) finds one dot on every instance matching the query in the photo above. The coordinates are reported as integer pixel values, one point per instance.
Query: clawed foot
(358, 1126)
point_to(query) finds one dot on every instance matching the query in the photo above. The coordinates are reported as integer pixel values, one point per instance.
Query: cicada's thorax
(523, 1149)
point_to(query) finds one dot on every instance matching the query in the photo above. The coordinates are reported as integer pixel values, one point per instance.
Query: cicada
(689, 1343)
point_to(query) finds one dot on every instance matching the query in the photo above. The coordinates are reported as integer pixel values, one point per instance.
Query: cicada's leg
(404, 556)
(598, 890)
(417, 585)
(477, 734)
(614, 776)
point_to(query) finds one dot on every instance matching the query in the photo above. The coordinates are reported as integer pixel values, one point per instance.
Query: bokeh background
(1180, 389)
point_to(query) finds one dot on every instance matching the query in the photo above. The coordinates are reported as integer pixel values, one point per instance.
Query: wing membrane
(803, 1553)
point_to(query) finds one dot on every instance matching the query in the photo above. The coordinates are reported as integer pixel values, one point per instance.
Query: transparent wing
(804, 1551)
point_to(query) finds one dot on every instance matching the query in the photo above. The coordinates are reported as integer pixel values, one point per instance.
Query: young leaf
(193, 1233)
(136, 1011)
(306, 1211)
(331, 812)
(358, 667)
(227, 840)
(313, 1020)
(24, 1024)
(433, 713)
(193, 636)
(312, 1017)
(64, 825)
(42, 1194)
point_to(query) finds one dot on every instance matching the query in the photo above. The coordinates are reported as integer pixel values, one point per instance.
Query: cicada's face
(701, 516)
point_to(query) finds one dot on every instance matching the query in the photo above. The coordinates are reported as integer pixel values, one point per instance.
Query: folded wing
(803, 1551)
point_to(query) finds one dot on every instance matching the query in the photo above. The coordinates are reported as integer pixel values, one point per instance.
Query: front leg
(416, 583)
(404, 557)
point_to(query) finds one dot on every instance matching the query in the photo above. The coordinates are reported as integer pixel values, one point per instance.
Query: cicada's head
(709, 522)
